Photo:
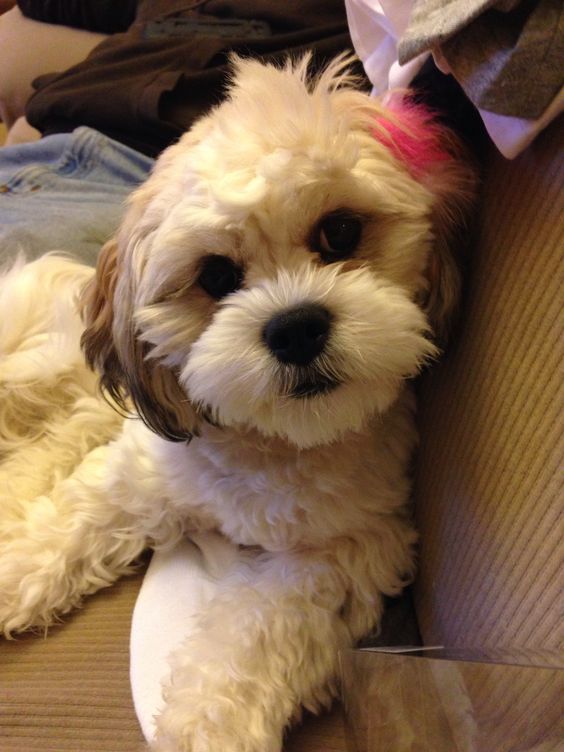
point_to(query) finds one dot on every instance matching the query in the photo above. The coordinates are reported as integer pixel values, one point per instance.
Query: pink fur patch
(415, 139)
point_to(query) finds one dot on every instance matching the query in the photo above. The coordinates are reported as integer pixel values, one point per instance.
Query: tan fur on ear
(125, 372)
(96, 305)
(453, 185)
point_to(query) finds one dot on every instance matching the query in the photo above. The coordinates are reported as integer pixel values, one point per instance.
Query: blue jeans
(65, 193)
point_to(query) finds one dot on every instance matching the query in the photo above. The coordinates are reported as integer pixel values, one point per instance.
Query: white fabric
(376, 28)
(176, 584)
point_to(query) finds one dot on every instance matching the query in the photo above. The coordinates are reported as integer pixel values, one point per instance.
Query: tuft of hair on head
(255, 79)
(337, 74)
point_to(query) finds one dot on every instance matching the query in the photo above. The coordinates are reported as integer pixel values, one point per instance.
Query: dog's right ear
(96, 306)
(120, 358)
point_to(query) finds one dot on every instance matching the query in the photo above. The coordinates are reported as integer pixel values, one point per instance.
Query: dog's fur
(313, 488)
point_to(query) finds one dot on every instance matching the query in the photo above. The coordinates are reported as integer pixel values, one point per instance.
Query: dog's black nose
(298, 335)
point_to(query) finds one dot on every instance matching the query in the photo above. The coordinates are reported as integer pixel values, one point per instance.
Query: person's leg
(65, 192)
(22, 132)
(30, 49)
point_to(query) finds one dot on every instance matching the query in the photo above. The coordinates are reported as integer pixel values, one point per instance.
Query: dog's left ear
(111, 347)
(435, 158)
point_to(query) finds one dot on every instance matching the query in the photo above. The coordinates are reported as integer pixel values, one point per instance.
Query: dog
(275, 284)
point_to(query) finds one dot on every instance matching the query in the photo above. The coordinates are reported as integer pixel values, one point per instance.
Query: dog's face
(277, 269)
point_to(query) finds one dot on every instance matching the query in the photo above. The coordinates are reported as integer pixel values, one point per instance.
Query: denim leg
(65, 193)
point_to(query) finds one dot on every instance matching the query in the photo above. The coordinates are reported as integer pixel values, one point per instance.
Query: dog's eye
(219, 276)
(337, 235)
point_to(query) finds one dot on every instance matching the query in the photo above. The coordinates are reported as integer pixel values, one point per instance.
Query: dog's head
(285, 263)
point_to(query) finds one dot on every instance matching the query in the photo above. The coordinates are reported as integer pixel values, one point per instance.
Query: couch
(487, 489)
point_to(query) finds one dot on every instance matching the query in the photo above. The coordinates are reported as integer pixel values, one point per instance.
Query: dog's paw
(35, 585)
(25, 589)
(222, 726)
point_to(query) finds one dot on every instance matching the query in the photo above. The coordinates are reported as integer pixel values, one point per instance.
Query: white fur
(314, 489)
(377, 341)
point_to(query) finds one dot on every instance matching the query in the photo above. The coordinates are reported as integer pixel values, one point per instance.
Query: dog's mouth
(314, 387)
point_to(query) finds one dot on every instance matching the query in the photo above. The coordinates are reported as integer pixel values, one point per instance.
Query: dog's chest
(279, 498)
(271, 503)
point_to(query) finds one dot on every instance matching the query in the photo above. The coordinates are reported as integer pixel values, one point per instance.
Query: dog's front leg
(82, 535)
(266, 645)
(58, 547)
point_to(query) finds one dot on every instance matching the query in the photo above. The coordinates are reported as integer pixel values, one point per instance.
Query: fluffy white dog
(271, 291)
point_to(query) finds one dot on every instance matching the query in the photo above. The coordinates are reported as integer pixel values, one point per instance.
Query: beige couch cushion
(70, 691)
(488, 492)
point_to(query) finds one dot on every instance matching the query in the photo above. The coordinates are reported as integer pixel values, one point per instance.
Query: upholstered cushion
(488, 492)
(70, 690)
